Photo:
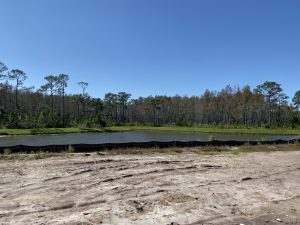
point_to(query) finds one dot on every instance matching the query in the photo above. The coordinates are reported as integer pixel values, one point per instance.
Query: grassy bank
(213, 129)
(53, 131)
(201, 151)
(204, 150)
(151, 128)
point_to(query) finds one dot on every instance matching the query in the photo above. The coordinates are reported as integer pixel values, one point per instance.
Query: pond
(128, 136)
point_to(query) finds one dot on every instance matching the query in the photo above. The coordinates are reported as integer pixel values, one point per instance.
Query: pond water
(129, 136)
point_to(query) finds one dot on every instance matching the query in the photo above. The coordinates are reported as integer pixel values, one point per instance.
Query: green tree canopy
(272, 92)
(296, 100)
(3, 69)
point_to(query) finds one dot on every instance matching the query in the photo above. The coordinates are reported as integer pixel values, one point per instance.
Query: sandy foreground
(186, 188)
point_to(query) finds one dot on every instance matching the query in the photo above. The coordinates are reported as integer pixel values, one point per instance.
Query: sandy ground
(186, 188)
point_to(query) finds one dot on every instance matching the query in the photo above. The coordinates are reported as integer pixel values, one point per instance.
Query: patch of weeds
(170, 150)
(6, 152)
(178, 150)
(39, 155)
(248, 149)
(13, 157)
(211, 150)
(31, 156)
(269, 148)
(236, 152)
(140, 151)
(20, 157)
(70, 149)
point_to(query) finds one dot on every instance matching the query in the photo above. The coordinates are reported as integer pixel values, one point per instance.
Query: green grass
(47, 131)
(55, 130)
(152, 128)
(213, 129)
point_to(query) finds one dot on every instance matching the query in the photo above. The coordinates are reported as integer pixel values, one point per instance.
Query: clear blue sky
(149, 47)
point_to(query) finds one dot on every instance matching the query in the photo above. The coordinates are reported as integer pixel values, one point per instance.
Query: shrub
(70, 149)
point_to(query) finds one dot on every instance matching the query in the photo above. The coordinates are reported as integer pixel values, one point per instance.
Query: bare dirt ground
(186, 188)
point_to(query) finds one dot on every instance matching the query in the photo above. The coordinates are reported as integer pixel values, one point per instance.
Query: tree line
(51, 106)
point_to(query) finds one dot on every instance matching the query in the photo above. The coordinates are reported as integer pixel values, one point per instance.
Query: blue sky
(155, 46)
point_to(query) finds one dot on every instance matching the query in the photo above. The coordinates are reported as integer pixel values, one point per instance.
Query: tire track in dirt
(185, 189)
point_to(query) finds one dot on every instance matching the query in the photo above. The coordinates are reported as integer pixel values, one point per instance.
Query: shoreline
(39, 131)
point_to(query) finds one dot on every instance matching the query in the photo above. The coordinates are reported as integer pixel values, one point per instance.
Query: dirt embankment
(254, 188)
